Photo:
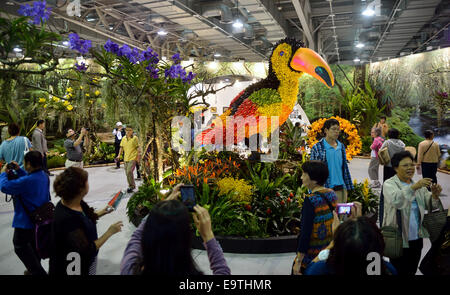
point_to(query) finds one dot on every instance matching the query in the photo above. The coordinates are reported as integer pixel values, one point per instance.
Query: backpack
(42, 218)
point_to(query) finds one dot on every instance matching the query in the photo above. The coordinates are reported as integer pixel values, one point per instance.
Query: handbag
(434, 221)
(383, 156)
(393, 239)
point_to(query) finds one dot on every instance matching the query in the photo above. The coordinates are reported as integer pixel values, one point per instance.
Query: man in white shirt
(118, 133)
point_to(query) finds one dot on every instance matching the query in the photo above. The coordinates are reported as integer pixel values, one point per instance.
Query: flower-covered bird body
(275, 95)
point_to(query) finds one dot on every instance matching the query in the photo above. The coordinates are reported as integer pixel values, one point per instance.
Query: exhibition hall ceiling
(342, 31)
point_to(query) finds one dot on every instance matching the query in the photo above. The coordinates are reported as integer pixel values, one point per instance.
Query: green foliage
(144, 199)
(265, 178)
(360, 107)
(291, 140)
(102, 152)
(366, 143)
(363, 193)
(399, 120)
(56, 162)
(228, 217)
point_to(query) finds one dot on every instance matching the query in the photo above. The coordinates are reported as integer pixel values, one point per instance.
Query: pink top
(376, 144)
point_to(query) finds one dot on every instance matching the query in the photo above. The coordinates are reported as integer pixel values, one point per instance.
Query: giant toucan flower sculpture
(275, 95)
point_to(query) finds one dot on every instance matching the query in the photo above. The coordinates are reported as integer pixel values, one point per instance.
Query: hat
(119, 124)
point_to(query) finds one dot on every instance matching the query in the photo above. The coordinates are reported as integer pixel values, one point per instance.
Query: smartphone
(188, 196)
(344, 208)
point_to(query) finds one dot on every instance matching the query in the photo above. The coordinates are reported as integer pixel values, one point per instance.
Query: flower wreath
(354, 141)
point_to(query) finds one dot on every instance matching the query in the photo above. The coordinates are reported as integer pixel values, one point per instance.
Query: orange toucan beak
(308, 61)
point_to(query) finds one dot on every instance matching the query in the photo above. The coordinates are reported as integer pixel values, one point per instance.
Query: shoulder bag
(383, 155)
(434, 222)
(393, 242)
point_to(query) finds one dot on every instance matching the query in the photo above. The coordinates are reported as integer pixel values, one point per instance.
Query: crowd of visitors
(161, 244)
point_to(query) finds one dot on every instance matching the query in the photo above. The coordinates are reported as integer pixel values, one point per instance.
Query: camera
(12, 173)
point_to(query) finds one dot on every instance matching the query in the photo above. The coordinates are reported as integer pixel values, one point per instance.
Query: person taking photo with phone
(411, 199)
(161, 245)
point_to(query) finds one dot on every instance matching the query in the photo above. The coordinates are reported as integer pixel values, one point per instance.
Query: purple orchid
(154, 73)
(112, 47)
(78, 44)
(176, 58)
(175, 71)
(150, 55)
(39, 12)
(125, 50)
(133, 56)
(189, 78)
(80, 67)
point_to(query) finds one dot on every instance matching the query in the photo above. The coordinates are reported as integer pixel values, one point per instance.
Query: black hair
(69, 184)
(393, 133)
(13, 129)
(34, 158)
(352, 242)
(428, 134)
(316, 170)
(383, 117)
(328, 123)
(396, 158)
(39, 122)
(166, 241)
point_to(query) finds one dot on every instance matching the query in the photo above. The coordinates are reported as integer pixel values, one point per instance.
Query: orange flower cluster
(355, 143)
(203, 171)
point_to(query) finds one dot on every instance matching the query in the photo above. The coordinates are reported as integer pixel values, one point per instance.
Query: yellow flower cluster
(355, 144)
(365, 188)
(243, 190)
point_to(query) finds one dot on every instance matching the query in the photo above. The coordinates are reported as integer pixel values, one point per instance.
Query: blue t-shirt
(13, 150)
(414, 218)
(334, 161)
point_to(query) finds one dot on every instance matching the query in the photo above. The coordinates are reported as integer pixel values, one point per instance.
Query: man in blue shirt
(13, 148)
(34, 190)
(332, 152)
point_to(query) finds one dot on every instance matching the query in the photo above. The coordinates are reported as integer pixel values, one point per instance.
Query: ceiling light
(357, 59)
(429, 47)
(369, 12)
(162, 32)
(238, 24)
(17, 49)
(360, 45)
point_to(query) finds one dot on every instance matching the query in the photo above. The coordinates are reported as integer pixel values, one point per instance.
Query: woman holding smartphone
(317, 215)
(408, 200)
(161, 245)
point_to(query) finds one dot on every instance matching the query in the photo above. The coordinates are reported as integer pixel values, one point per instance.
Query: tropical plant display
(349, 135)
(363, 193)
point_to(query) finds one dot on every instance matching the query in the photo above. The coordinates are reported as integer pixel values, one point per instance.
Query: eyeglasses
(408, 165)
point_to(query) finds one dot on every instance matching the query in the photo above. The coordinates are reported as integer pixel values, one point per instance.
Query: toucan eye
(281, 53)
